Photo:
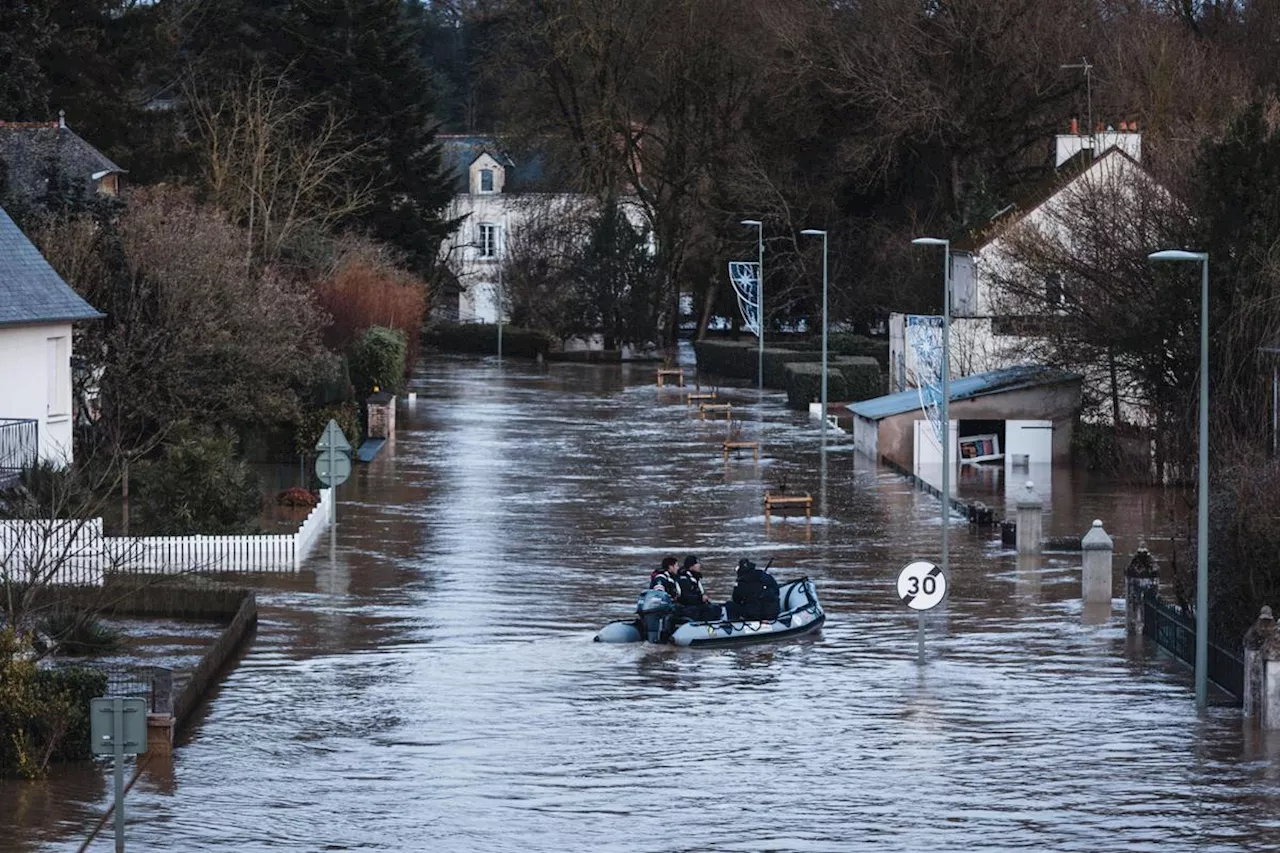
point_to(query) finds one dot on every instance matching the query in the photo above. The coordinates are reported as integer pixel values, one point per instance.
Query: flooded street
(429, 681)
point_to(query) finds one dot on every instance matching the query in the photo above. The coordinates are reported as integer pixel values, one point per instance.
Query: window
(488, 240)
(486, 180)
(57, 374)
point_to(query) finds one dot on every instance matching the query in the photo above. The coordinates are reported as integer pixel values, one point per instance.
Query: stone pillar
(1141, 578)
(1030, 524)
(381, 409)
(160, 717)
(1256, 639)
(159, 734)
(1095, 579)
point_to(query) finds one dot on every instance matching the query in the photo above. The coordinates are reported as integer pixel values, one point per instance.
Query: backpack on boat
(756, 594)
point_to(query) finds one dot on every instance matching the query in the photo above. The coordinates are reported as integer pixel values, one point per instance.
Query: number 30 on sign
(922, 585)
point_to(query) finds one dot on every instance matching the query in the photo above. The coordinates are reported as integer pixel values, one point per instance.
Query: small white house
(37, 309)
(991, 328)
(498, 202)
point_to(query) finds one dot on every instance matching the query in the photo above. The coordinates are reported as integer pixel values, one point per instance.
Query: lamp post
(497, 235)
(1202, 497)
(759, 226)
(815, 232)
(946, 392)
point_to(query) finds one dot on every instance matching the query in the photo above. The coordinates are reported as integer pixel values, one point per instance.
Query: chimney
(1075, 127)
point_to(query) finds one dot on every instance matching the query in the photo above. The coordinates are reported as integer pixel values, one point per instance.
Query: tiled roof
(28, 149)
(967, 388)
(30, 290)
(526, 171)
(1035, 195)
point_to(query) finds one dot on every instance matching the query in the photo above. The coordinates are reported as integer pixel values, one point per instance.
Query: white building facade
(37, 309)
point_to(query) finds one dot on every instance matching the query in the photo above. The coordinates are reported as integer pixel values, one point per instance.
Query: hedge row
(844, 343)
(44, 714)
(483, 338)
(849, 379)
(740, 360)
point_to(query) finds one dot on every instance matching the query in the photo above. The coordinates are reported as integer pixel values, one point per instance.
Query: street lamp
(759, 226)
(815, 232)
(946, 391)
(498, 235)
(1202, 497)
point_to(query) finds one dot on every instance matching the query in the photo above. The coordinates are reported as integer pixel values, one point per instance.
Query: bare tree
(276, 164)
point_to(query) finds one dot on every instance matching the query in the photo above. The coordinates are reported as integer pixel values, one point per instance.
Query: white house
(993, 328)
(499, 203)
(37, 309)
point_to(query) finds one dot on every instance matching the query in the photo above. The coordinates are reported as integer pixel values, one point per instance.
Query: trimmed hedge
(740, 360)
(483, 338)
(849, 379)
(844, 343)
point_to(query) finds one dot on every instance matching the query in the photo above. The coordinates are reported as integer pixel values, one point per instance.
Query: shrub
(377, 360)
(848, 379)
(297, 497)
(79, 634)
(368, 292)
(483, 338)
(44, 714)
(312, 423)
(739, 360)
(198, 485)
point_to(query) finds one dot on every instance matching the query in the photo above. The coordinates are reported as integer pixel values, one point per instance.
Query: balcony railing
(19, 446)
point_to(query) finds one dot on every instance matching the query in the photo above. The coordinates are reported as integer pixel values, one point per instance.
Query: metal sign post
(333, 465)
(921, 586)
(118, 727)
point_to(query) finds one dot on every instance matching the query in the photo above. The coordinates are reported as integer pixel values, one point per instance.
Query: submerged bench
(742, 445)
(773, 503)
(695, 396)
(727, 408)
(676, 373)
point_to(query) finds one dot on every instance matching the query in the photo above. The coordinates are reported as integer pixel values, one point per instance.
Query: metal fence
(19, 446)
(152, 683)
(1175, 632)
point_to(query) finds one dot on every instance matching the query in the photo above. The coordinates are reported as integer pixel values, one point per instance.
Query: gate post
(1259, 679)
(1095, 577)
(1141, 576)
(1030, 524)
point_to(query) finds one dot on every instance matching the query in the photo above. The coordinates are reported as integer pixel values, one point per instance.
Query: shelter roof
(967, 388)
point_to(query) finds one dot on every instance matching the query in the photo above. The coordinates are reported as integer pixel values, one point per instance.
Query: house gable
(486, 175)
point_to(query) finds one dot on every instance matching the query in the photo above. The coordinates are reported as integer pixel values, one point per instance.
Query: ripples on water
(433, 684)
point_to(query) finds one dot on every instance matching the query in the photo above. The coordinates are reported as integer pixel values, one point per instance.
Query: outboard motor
(655, 609)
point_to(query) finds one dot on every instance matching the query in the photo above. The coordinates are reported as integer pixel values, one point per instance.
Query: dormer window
(486, 180)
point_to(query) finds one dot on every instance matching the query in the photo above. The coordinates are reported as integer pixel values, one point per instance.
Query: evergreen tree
(25, 33)
(613, 292)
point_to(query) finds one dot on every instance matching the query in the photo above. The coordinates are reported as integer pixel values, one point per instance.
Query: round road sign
(922, 585)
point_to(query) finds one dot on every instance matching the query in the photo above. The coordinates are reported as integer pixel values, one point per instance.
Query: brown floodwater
(428, 682)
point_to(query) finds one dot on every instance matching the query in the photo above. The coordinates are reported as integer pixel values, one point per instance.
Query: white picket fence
(76, 552)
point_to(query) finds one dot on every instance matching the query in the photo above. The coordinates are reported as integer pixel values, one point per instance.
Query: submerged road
(430, 683)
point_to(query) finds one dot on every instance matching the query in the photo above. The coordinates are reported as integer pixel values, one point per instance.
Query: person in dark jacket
(693, 600)
(755, 596)
(664, 578)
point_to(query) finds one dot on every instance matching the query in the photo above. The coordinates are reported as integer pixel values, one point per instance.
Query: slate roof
(527, 171)
(30, 290)
(28, 149)
(1036, 194)
(967, 388)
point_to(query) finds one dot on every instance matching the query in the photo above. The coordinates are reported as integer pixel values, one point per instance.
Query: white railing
(76, 552)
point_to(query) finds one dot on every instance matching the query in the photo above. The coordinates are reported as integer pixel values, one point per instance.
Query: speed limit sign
(921, 585)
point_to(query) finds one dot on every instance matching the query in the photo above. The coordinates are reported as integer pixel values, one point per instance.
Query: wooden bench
(696, 396)
(727, 408)
(676, 373)
(774, 502)
(742, 445)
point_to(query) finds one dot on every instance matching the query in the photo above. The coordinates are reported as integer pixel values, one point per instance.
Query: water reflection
(429, 680)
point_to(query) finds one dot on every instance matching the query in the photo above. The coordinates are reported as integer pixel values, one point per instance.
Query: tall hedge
(377, 359)
(849, 379)
(483, 338)
(740, 359)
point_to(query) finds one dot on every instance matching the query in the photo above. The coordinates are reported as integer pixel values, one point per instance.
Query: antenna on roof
(1088, 85)
(62, 119)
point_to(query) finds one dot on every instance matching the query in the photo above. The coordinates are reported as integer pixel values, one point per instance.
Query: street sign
(333, 465)
(922, 585)
(102, 729)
